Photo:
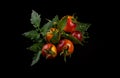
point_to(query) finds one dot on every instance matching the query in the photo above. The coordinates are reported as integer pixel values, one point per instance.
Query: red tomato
(70, 26)
(65, 45)
(77, 35)
(49, 51)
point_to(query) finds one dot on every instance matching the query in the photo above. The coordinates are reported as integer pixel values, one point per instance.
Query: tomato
(70, 26)
(65, 48)
(78, 35)
(50, 34)
(49, 50)
(63, 45)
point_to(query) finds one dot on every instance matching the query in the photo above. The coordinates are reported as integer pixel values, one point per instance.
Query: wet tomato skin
(77, 34)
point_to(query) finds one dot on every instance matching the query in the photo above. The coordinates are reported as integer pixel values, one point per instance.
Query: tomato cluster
(56, 37)
(65, 46)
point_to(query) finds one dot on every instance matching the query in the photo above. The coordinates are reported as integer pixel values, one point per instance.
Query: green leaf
(33, 35)
(36, 58)
(85, 37)
(48, 25)
(55, 19)
(62, 23)
(82, 27)
(35, 19)
(56, 37)
(35, 47)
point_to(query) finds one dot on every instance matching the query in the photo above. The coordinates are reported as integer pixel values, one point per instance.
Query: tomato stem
(51, 52)
(62, 53)
(65, 52)
(47, 56)
(70, 55)
(65, 58)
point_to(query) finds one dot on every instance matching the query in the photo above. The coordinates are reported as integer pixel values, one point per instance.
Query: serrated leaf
(35, 47)
(49, 25)
(36, 58)
(55, 19)
(62, 23)
(82, 27)
(35, 19)
(33, 35)
(85, 37)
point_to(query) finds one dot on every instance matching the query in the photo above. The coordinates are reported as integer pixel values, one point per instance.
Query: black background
(87, 12)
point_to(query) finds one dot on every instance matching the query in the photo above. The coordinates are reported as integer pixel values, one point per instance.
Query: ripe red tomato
(77, 35)
(63, 45)
(49, 51)
(70, 26)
